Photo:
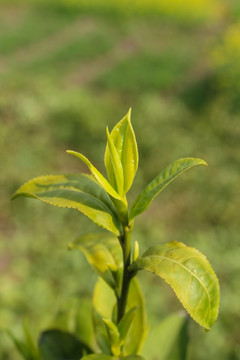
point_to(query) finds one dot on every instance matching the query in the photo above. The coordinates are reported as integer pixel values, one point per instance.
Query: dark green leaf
(166, 176)
(189, 274)
(60, 345)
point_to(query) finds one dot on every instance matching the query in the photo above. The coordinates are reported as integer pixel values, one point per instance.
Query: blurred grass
(69, 70)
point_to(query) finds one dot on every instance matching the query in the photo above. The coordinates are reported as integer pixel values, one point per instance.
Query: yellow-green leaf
(190, 275)
(99, 177)
(104, 254)
(166, 176)
(79, 192)
(124, 140)
(116, 167)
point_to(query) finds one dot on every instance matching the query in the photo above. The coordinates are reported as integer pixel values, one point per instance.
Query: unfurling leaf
(104, 253)
(116, 167)
(124, 141)
(79, 192)
(189, 274)
(166, 176)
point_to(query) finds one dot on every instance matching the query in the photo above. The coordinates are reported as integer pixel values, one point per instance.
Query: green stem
(125, 241)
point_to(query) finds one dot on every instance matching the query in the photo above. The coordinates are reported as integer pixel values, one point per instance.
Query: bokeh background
(70, 68)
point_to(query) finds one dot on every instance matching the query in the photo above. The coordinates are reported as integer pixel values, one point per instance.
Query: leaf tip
(69, 151)
(203, 162)
(107, 132)
(129, 114)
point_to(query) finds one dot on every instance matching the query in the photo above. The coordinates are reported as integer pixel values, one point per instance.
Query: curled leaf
(124, 141)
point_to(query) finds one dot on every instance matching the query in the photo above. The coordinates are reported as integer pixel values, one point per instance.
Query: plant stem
(125, 241)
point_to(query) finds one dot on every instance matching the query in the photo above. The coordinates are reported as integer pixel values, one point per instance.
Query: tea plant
(115, 327)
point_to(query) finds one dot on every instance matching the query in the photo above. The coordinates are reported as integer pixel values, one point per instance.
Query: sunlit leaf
(60, 345)
(124, 140)
(116, 169)
(166, 176)
(79, 192)
(168, 340)
(99, 177)
(104, 253)
(189, 274)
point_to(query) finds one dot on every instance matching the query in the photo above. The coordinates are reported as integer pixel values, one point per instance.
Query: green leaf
(99, 177)
(104, 254)
(166, 176)
(79, 192)
(116, 167)
(124, 140)
(189, 274)
(168, 340)
(60, 345)
(104, 302)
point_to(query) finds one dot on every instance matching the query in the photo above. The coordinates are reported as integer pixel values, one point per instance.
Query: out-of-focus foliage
(67, 72)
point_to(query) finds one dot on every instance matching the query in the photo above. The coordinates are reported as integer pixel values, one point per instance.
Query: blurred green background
(70, 68)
